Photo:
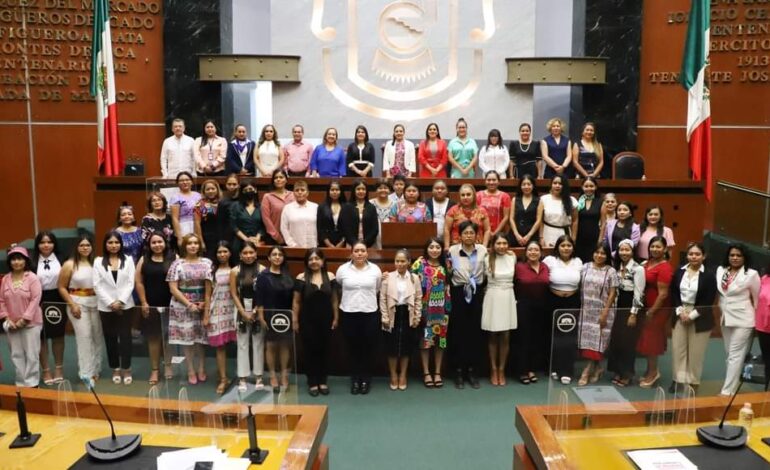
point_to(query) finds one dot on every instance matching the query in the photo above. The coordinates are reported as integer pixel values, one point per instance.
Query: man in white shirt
(176, 155)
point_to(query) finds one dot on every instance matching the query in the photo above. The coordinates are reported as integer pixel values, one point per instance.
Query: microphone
(25, 438)
(254, 453)
(726, 436)
(113, 447)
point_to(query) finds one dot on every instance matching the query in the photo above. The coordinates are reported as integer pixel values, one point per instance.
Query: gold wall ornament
(403, 58)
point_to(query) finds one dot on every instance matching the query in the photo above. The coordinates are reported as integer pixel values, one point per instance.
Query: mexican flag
(109, 156)
(694, 78)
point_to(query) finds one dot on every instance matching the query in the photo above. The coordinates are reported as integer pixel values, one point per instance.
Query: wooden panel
(15, 171)
(399, 235)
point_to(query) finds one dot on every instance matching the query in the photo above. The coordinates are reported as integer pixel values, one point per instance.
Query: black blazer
(233, 159)
(704, 299)
(326, 227)
(348, 223)
(367, 154)
(429, 203)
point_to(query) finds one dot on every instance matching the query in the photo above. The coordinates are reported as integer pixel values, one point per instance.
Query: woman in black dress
(154, 296)
(158, 220)
(330, 233)
(524, 219)
(273, 297)
(360, 221)
(589, 214)
(315, 314)
(360, 154)
(207, 223)
(525, 155)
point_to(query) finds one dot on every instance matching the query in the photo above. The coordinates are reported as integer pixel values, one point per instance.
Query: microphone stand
(254, 453)
(724, 436)
(113, 447)
(25, 438)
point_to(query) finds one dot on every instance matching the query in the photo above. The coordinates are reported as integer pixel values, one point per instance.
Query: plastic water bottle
(746, 417)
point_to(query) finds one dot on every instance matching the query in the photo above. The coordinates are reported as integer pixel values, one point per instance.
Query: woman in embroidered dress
(219, 320)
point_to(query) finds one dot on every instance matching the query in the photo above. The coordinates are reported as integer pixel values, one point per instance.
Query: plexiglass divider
(266, 354)
(579, 349)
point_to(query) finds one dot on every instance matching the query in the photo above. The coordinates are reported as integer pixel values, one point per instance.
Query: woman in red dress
(652, 341)
(432, 154)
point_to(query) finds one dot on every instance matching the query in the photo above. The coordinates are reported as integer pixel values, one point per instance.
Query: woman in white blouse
(360, 314)
(494, 155)
(564, 302)
(558, 211)
(738, 287)
(267, 154)
(399, 155)
(114, 287)
(299, 219)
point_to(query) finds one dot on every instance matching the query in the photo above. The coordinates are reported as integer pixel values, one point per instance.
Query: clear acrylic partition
(167, 187)
(742, 214)
(171, 362)
(657, 411)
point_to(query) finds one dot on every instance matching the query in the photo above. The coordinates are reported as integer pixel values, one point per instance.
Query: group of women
(433, 157)
(190, 270)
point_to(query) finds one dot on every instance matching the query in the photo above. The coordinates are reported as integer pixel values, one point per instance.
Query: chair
(628, 166)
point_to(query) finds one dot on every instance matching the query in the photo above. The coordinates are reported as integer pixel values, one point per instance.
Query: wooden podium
(402, 235)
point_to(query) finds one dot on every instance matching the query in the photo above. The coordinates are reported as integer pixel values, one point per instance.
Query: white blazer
(108, 290)
(389, 156)
(738, 303)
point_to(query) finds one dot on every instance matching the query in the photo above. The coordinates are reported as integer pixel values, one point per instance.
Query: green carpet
(414, 429)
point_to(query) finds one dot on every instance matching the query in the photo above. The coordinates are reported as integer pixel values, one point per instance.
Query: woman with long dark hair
(250, 335)
(621, 354)
(462, 152)
(622, 227)
(246, 217)
(189, 279)
(239, 159)
(588, 153)
(330, 234)
(228, 200)
(268, 155)
(210, 151)
(434, 271)
(653, 225)
(76, 286)
(525, 220)
(114, 275)
(589, 215)
(46, 265)
(652, 338)
(558, 211)
(315, 310)
(526, 158)
(219, 318)
(498, 312)
(497, 203)
(398, 157)
(532, 334)
(361, 222)
(154, 295)
(272, 206)
(432, 154)
(738, 288)
(360, 155)
(207, 214)
(493, 156)
(273, 298)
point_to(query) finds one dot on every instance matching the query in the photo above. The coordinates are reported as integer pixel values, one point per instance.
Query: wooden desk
(402, 235)
(297, 446)
(601, 442)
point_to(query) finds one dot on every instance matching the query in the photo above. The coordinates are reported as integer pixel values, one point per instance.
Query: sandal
(437, 381)
(222, 386)
(428, 381)
(154, 376)
(273, 380)
(58, 377)
(532, 377)
(47, 379)
(116, 379)
(192, 378)
(583, 381)
(258, 385)
(525, 379)
(127, 379)
(168, 372)
(596, 375)
(242, 385)
(202, 376)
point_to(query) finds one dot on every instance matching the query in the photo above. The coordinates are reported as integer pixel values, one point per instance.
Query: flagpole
(30, 142)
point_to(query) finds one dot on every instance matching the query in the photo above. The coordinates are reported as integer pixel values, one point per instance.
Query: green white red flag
(694, 78)
(109, 155)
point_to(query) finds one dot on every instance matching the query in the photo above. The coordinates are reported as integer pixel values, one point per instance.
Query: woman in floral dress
(220, 318)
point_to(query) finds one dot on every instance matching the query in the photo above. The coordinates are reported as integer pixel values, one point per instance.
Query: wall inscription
(45, 47)
(739, 43)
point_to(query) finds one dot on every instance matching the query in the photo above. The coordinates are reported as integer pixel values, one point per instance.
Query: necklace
(525, 150)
